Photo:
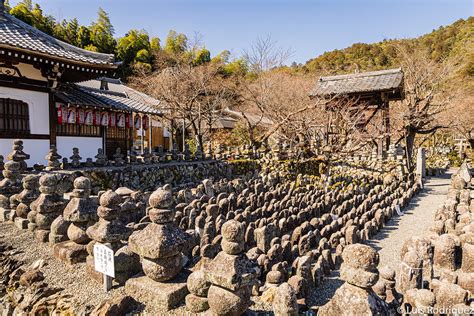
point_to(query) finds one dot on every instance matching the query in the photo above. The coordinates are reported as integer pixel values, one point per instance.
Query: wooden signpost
(104, 263)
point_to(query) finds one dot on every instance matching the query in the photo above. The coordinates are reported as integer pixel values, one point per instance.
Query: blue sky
(307, 27)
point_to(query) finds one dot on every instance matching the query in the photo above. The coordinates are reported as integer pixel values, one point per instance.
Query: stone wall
(146, 177)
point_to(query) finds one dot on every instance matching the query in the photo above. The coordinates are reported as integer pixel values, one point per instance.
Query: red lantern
(71, 115)
(128, 120)
(60, 113)
(113, 119)
(104, 120)
(80, 116)
(89, 117)
(137, 122)
(146, 122)
(121, 120)
(97, 117)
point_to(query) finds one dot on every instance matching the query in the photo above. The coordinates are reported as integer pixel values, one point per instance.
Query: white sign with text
(104, 260)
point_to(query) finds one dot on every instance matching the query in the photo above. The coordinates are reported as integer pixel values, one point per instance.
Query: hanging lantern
(80, 116)
(71, 115)
(137, 122)
(89, 117)
(121, 120)
(146, 122)
(113, 119)
(105, 118)
(128, 120)
(60, 110)
(97, 117)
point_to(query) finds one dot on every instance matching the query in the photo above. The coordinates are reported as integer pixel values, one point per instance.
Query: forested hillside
(447, 42)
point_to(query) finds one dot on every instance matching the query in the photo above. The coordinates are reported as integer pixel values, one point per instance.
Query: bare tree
(427, 95)
(193, 95)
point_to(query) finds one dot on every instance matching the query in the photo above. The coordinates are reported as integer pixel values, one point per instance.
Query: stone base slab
(21, 223)
(70, 252)
(42, 235)
(167, 295)
(4, 214)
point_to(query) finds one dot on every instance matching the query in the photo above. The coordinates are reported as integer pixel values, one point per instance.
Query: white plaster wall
(36, 148)
(87, 146)
(38, 106)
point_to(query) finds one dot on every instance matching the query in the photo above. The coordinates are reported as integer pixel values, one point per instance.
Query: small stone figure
(198, 155)
(132, 157)
(146, 156)
(2, 166)
(187, 152)
(118, 157)
(53, 159)
(174, 152)
(219, 152)
(65, 164)
(75, 158)
(18, 155)
(10, 185)
(100, 158)
(209, 151)
(89, 162)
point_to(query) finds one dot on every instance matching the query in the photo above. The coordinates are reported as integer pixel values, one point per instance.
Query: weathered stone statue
(198, 155)
(100, 158)
(81, 213)
(159, 246)
(75, 158)
(53, 159)
(48, 206)
(18, 155)
(29, 194)
(118, 157)
(9, 186)
(355, 296)
(111, 231)
(231, 274)
(187, 152)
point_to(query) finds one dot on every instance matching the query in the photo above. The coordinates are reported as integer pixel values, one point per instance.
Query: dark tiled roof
(384, 80)
(70, 94)
(119, 100)
(14, 33)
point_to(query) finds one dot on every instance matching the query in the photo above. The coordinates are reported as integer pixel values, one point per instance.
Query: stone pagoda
(81, 213)
(159, 246)
(29, 194)
(111, 231)
(47, 207)
(231, 273)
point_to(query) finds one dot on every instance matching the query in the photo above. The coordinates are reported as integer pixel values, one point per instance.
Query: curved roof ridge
(18, 34)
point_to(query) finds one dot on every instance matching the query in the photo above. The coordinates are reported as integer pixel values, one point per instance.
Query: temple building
(367, 92)
(53, 93)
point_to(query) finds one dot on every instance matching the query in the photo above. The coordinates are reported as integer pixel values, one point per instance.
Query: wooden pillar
(386, 121)
(53, 119)
(150, 133)
(141, 133)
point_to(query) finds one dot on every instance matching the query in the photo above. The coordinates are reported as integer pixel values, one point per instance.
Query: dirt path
(417, 218)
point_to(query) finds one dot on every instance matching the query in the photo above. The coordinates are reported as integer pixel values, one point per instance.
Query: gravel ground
(74, 281)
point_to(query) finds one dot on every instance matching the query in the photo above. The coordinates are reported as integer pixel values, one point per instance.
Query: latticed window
(14, 118)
